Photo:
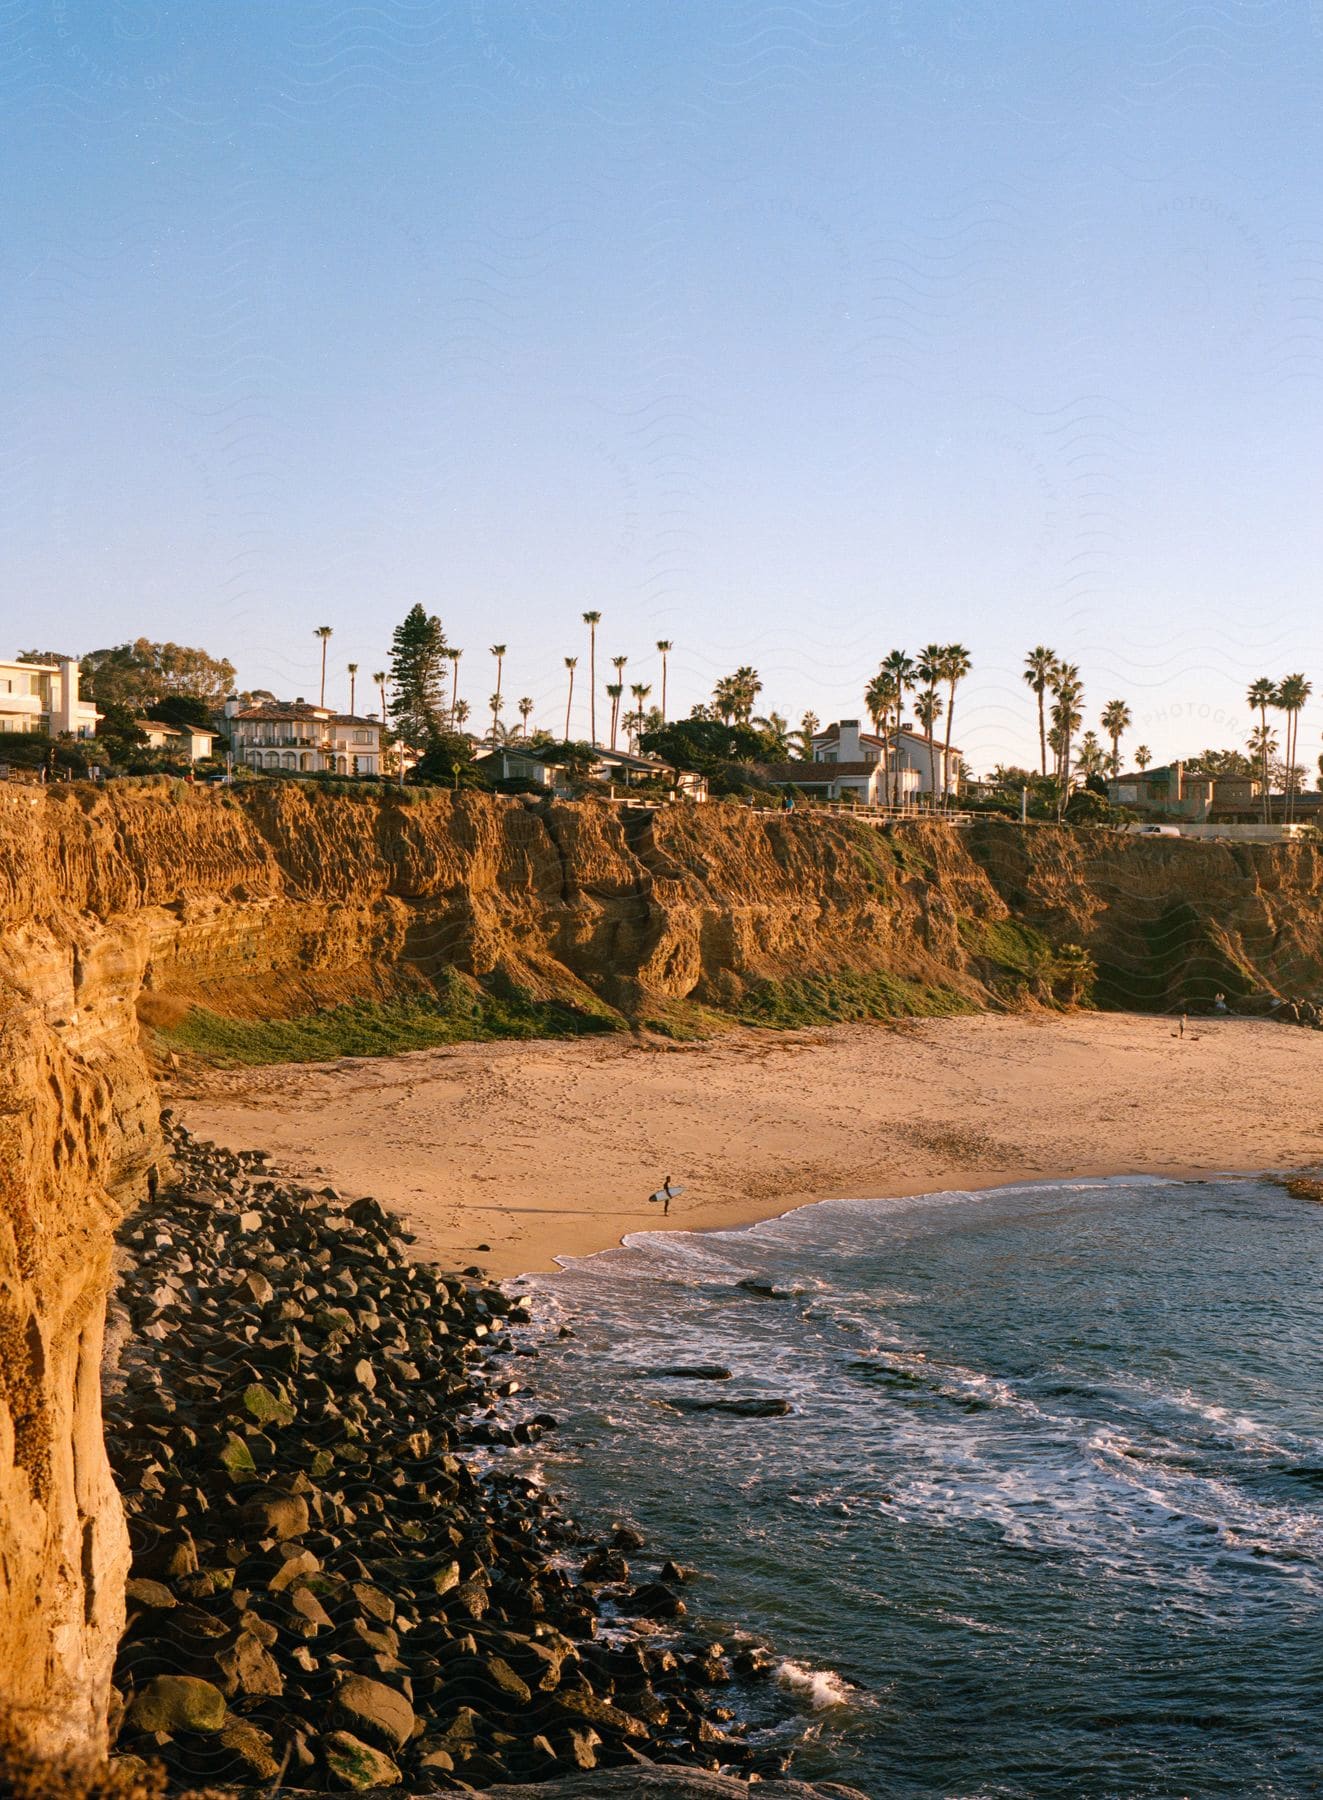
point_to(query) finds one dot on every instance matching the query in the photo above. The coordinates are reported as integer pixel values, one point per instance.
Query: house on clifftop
(1174, 791)
(45, 697)
(926, 765)
(848, 765)
(293, 738)
(186, 743)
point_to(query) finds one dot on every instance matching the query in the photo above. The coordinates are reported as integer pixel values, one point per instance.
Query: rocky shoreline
(335, 1584)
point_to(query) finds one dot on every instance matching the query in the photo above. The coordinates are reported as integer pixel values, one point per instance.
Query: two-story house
(925, 764)
(1173, 789)
(45, 697)
(295, 738)
(848, 764)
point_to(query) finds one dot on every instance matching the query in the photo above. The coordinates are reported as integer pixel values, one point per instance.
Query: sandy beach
(510, 1155)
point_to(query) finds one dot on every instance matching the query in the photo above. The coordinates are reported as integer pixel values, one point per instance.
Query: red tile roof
(280, 711)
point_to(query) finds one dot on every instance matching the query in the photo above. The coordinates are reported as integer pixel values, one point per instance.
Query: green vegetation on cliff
(846, 997)
(372, 1028)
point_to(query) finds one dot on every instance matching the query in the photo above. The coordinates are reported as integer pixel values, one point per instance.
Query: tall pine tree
(417, 661)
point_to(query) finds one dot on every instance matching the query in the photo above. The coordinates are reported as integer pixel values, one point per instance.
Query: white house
(299, 739)
(186, 743)
(921, 760)
(44, 697)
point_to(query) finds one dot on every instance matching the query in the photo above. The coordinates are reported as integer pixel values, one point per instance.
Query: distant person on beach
(665, 1193)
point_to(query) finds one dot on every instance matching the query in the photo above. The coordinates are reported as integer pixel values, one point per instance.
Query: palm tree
(664, 645)
(802, 740)
(1260, 695)
(614, 689)
(1092, 758)
(1263, 747)
(618, 664)
(956, 663)
(898, 667)
(571, 663)
(878, 696)
(455, 719)
(592, 620)
(928, 665)
(379, 681)
(1039, 667)
(353, 676)
(640, 690)
(498, 651)
(778, 729)
(1143, 757)
(495, 704)
(1066, 721)
(525, 710)
(928, 668)
(461, 711)
(1291, 696)
(1115, 720)
(324, 633)
(927, 710)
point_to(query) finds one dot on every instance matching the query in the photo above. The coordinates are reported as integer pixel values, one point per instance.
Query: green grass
(1014, 946)
(839, 999)
(374, 1028)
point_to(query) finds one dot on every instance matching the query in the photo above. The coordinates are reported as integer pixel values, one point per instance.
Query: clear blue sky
(790, 332)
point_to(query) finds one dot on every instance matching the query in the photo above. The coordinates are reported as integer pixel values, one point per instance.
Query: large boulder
(381, 1714)
(275, 1515)
(178, 1703)
(352, 1765)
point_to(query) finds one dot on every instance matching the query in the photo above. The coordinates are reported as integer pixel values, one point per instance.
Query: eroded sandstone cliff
(137, 902)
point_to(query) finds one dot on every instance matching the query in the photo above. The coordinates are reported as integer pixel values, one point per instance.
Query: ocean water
(1046, 1516)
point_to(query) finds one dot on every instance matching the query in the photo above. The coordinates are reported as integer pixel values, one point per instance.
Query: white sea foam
(820, 1688)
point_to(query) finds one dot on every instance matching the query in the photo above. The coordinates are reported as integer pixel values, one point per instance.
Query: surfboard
(660, 1195)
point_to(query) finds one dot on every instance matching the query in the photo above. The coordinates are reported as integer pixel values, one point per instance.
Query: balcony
(22, 705)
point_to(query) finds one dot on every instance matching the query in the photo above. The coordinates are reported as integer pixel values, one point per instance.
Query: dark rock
(654, 1600)
(740, 1409)
(605, 1565)
(690, 1372)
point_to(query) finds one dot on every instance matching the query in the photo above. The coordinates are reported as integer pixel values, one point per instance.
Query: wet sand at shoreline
(550, 1148)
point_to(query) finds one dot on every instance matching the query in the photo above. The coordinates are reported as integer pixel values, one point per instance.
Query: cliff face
(131, 902)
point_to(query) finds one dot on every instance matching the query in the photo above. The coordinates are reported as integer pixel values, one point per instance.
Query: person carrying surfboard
(666, 1193)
